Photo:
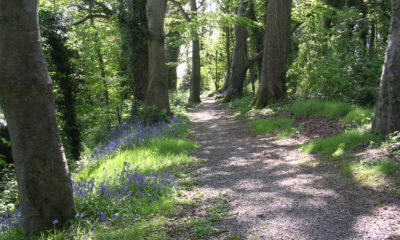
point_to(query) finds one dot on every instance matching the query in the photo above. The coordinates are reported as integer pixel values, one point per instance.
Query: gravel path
(273, 195)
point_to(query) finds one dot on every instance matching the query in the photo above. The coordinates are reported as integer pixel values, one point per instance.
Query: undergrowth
(313, 108)
(282, 127)
(127, 188)
(339, 144)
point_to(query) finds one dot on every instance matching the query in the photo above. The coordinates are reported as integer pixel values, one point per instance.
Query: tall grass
(312, 108)
(358, 117)
(282, 127)
(339, 144)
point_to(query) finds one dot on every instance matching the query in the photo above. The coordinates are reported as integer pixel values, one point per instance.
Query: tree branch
(295, 27)
(91, 16)
(144, 29)
(107, 11)
(180, 8)
(255, 59)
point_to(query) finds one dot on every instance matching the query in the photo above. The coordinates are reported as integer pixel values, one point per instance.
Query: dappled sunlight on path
(273, 195)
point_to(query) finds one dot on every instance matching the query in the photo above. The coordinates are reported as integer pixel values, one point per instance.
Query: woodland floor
(273, 194)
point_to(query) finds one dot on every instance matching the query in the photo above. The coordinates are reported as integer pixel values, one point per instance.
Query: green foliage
(280, 126)
(8, 189)
(331, 56)
(202, 228)
(5, 146)
(153, 191)
(393, 143)
(59, 58)
(309, 108)
(358, 117)
(243, 104)
(339, 144)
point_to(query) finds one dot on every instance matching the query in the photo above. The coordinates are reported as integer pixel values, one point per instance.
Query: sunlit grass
(339, 144)
(150, 229)
(358, 117)
(136, 187)
(243, 105)
(155, 156)
(370, 174)
(314, 108)
(282, 127)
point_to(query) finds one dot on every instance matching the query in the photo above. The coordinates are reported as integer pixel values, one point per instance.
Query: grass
(282, 127)
(202, 228)
(132, 191)
(155, 156)
(372, 174)
(243, 105)
(358, 117)
(313, 108)
(339, 144)
(151, 229)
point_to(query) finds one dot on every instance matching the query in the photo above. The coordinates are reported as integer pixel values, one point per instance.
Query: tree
(195, 80)
(45, 189)
(132, 15)
(387, 117)
(240, 63)
(173, 45)
(59, 59)
(157, 93)
(272, 87)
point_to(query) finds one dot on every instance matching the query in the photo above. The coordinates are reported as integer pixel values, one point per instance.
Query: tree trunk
(239, 58)
(276, 47)
(387, 117)
(257, 38)
(228, 57)
(157, 92)
(132, 16)
(66, 85)
(195, 82)
(44, 184)
(172, 52)
(139, 64)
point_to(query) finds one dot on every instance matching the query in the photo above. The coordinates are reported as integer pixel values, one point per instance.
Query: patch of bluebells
(130, 133)
(11, 219)
(128, 184)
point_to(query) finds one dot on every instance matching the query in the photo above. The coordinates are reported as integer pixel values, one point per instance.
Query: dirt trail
(273, 196)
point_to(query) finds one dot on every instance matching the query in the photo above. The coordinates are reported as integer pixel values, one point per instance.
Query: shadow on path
(273, 196)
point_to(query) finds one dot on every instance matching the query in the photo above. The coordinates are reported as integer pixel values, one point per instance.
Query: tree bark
(239, 58)
(139, 65)
(228, 57)
(44, 184)
(276, 47)
(172, 59)
(132, 17)
(387, 117)
(157, 92)
(195, 81)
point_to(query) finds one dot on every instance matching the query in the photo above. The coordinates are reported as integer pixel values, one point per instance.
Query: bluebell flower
(103, 217)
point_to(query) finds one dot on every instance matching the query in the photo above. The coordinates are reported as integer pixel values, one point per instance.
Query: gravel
(274, 195)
